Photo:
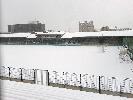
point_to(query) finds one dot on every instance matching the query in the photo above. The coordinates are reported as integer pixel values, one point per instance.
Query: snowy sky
(65, 14)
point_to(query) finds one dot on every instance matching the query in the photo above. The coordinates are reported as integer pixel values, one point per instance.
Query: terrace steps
(12, 90)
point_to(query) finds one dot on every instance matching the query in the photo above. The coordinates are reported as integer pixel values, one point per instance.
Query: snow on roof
(41, 33)
(32, 36)
(117, 33)
(15, 35)
(98, 34)
(56, 33)
(71, 35)
(80, 34)
(27, 35)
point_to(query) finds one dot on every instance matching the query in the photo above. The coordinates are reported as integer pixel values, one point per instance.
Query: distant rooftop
(72, 35)
(26, 35)
(98, 34)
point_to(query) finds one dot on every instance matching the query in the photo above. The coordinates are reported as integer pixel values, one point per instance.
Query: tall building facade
(36, 27)
(86, 26)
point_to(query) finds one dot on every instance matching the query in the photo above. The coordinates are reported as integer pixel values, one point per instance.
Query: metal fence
(66, 79)
(92, 82)
(18, 74)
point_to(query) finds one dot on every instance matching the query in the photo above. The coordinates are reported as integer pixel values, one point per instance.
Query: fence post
(47, 78)
(120, 90)
(64, 80)
(80, 82)
(34, 76)
(21, 74)
(36, 80)
(99, 85)
(9, 72)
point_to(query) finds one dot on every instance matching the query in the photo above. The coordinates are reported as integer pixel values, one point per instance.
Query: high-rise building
(30, 27)
(86, 26)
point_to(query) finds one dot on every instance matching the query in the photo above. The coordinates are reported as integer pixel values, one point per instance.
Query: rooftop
(98, 34)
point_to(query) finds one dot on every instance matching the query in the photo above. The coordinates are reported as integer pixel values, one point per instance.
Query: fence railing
(99, 83)
(18, 74)
(69, 80)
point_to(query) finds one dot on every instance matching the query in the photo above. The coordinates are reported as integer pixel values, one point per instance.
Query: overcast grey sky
(65, 14)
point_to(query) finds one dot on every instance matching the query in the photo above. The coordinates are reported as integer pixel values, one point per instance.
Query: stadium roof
(51, 33)
(98, 34)
(26, 35)
(73, 35)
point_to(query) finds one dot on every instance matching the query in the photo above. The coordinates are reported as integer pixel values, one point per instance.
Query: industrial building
(30, 27)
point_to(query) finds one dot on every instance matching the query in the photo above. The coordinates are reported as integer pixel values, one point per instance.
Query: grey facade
(106, 28)
(37, 27)
(86, 26)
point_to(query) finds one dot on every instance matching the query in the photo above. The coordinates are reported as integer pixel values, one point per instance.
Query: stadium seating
(11, 90)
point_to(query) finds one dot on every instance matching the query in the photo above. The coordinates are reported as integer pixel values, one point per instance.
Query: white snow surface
(26, 35)
(75, 34)
(92, 60)
(11, 90)
(42, 33)
(98, 34)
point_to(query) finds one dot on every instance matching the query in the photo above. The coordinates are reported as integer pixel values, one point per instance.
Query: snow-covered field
(11, 90)
(93, 60)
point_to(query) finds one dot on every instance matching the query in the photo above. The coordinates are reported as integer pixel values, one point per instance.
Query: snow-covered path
(11, 90)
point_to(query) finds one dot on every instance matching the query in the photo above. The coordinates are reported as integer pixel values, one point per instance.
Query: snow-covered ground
(93, 60)
(109, 61)
(11, 90)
